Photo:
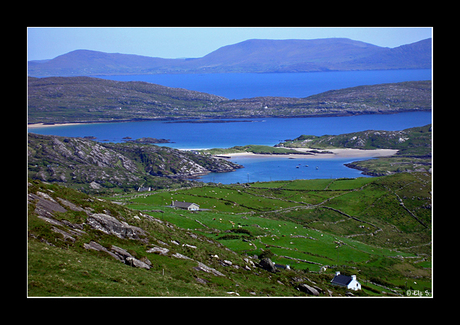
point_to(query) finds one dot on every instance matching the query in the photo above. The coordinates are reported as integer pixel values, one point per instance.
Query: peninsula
(93, 100)
(410, 149)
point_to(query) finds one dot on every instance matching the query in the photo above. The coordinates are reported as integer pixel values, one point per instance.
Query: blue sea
(266, 131)
(303, 84)
(279, 168)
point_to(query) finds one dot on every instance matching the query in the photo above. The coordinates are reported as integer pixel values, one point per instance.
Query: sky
(184, 42)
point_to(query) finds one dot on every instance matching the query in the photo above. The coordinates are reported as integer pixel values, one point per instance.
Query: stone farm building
(346, 281)
(185, 205)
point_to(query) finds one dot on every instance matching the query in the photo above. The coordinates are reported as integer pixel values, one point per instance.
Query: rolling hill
(86, 99)
(255, 55)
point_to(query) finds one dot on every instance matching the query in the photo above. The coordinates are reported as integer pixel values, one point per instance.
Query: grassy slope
(357, 226)
(59, 267)
(383, 243)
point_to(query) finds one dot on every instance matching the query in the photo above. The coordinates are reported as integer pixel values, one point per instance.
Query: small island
(148, 140)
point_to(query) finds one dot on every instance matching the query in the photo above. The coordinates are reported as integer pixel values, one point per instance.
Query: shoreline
(42, 125)
(336, 153)
(226, 119)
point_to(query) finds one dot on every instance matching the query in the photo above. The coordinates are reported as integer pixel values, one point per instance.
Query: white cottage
(346, 281)
(185, 205)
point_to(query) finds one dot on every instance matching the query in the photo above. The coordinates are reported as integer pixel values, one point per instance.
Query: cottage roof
(342, 280)
(183, 204)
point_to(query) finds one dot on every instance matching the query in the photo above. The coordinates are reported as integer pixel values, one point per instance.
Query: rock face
(267, 265)
(110, 225)
(45, 205)
(207, 269)
(307, 289)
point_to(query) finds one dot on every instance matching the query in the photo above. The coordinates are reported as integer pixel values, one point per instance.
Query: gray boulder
(128, 259)
(137, 263)
(308, 290)
(267, 265)
(120, 254)
(98, 247)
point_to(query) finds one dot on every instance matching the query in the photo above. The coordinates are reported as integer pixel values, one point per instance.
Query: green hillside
(377, 228)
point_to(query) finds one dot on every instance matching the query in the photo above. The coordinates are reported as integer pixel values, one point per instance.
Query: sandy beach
(336, 153)
(41, 125)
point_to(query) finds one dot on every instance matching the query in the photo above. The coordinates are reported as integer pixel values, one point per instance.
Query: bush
(229, 236)
(266, 254)
(241, 231)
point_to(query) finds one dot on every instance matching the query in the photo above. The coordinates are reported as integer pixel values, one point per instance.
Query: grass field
(363, 226)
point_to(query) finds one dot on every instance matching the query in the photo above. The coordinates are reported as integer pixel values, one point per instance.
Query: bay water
(237, 132)
(268, 131)
(264, 131)
(302, 84)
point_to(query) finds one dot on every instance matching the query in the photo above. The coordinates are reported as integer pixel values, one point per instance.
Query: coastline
(336, 153)
(41, 125)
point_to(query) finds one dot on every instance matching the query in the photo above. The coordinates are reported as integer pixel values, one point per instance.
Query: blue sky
(47, 43)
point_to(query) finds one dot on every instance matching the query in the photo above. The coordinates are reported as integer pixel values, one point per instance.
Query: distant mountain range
(256, 56)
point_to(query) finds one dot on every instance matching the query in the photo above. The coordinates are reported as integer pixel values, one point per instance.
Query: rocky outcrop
(158, 250)
(207, 269)
(45, 205)
(97, 165)
(111, 225)
(120, 254)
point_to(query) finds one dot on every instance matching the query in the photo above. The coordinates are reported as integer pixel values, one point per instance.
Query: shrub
(241, 231)
(266, 254)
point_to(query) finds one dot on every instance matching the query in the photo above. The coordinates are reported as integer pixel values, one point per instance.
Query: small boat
(296, 166)
(306, 165)
(317, 167)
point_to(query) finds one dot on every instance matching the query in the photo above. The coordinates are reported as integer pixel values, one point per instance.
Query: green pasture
(357, 224)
